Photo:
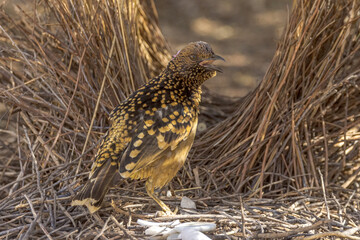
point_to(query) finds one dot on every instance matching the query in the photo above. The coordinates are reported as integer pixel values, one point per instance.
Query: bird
(153, 130)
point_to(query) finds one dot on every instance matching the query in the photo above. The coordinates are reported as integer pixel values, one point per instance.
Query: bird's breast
(166, 168)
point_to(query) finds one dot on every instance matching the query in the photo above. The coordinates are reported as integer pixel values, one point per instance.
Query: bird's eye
(193, 57)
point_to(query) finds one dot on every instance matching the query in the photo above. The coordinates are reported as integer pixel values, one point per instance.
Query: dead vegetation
(282, 162)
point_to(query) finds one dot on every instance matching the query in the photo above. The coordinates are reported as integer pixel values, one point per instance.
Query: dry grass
(293, 141)
(303, 116)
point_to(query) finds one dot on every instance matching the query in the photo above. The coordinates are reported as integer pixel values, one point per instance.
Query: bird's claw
(166, 212)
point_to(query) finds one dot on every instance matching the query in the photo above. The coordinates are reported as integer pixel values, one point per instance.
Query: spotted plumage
(153, 130)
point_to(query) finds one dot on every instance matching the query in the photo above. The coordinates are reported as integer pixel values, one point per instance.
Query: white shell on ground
(196, 226)
(176, 230)
(149, 224)
(187, 203)
(190, 234)
(156, 230)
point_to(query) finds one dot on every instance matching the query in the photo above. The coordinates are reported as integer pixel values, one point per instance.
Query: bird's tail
(93, 193)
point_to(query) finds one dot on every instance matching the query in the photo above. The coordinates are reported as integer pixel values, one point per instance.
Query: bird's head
(194, 63)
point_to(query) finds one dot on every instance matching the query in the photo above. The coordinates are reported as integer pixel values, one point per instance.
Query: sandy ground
(244, 32)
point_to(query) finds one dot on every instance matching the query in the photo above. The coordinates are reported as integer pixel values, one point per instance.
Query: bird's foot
(166, 212)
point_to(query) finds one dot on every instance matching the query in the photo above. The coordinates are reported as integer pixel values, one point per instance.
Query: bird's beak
(208, 63)
(217, 57)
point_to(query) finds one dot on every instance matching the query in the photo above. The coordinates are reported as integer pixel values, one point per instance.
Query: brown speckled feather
(154, 129)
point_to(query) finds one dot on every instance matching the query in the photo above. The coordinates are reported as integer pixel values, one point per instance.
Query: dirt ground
(244, 32)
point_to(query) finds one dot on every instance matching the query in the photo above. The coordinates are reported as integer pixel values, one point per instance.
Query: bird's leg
(150, 192)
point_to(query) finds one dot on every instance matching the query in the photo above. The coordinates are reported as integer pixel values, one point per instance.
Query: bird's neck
(190, 85)
(190, 79)
(182, 86)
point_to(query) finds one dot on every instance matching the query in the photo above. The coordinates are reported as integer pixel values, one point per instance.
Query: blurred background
(244, 32)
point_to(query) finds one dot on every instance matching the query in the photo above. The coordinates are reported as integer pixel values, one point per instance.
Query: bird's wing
(160, 130)
(115, 140)
(106, 162)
